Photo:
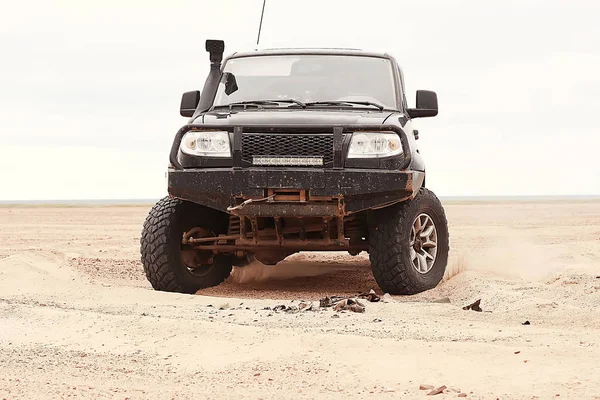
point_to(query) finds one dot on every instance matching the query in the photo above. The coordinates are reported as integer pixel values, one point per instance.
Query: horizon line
(116, 201)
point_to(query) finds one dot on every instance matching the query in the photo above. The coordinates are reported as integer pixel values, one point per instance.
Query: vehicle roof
(310, 51)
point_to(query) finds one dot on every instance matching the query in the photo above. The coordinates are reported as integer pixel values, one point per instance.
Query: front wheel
(171, 266)
(409, 245)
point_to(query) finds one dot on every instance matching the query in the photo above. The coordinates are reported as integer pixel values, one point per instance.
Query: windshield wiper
(340, 103)
(301, 104)
(260, 103)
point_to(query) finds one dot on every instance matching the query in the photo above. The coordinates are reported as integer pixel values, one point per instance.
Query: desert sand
(78, 318)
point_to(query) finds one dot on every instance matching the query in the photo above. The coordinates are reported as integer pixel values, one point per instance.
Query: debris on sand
(330, 301)
(339, 303)
(437, 391)
(387, 298)
(474, 306)
(305, 306)
(342, 304)
(302, 306)
(350, 305)
(526, 323)
(284, 308)
(426, 387)
(371, 296)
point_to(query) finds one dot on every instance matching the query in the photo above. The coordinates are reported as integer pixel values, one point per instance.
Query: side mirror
(427, 105)
(189, 102)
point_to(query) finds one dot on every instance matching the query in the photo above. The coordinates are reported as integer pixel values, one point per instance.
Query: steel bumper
(357, 189)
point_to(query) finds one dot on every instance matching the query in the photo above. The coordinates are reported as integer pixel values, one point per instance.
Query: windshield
(308, 78)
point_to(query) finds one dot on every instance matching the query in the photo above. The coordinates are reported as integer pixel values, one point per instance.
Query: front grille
(289, 144)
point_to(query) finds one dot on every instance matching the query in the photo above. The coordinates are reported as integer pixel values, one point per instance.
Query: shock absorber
(355, 230)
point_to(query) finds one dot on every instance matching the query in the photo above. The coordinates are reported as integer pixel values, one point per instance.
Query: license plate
(287, 161)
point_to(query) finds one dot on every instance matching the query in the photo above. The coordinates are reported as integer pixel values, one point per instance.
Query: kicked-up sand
(78, 318)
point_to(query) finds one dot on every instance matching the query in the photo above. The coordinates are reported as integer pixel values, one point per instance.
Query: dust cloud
(516, 256)
(298, 265)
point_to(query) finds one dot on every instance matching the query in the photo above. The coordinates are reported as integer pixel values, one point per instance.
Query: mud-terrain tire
(390, 236)
(161, 249)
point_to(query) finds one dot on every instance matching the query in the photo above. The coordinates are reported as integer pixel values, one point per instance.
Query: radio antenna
(261, 20)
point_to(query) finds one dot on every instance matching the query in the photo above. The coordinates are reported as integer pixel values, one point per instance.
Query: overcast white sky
(90, 90)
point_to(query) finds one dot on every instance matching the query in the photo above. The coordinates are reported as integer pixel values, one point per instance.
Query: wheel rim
(198, 263)
(423, 243)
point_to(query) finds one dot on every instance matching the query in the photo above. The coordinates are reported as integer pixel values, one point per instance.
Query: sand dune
(77, 317)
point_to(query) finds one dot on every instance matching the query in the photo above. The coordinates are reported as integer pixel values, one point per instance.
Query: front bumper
(357, 189)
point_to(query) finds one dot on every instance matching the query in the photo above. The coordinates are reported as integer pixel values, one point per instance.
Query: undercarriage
(283, 222)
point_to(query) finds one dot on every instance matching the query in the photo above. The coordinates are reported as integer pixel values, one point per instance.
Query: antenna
(261, 19)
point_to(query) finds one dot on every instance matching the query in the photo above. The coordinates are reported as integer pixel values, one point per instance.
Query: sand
(78, 318)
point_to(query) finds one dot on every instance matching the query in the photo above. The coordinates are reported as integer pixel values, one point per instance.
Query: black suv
(291, 150)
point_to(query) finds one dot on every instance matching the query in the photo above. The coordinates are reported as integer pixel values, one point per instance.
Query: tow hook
(246, 202)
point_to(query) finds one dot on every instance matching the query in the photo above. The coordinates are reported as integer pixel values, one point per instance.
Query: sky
(90, 90)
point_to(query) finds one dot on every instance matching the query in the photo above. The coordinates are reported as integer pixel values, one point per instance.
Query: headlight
(374, 145)
(210, 144)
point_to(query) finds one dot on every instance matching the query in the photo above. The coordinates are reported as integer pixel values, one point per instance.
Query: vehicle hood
(280, 117)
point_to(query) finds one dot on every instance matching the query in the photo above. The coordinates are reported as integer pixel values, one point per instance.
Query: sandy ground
(78, 319)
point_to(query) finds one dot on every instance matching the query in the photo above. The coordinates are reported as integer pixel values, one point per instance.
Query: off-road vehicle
(290, 150)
